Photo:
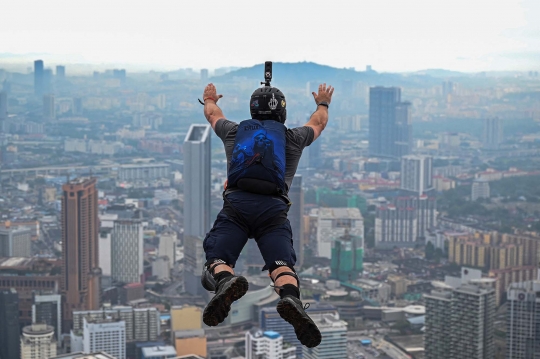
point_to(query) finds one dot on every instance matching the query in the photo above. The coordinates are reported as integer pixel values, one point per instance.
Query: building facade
(267, 345)
(460, 321)
(38, 342)
(523, 321)
(47, 309)
(197, 203)
(480, 189)
(80, 232)
(144, 172)
(15, 241)
(295, 215)
(417, 173)
(106, 335)
(127, 250)
(9, 324)
(492, 134)
(334, 339)
(334, 223)
(390, 131)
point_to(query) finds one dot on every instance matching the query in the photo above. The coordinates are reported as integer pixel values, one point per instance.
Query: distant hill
(297, 74)
(440, 73)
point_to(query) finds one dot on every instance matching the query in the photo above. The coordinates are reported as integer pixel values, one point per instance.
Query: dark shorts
(248, 215)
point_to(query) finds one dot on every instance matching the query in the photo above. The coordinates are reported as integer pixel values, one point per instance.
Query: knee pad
(207, 278)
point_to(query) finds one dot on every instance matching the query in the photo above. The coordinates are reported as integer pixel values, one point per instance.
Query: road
(392, 351)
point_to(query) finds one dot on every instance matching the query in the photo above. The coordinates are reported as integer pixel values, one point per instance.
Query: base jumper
(262, 157)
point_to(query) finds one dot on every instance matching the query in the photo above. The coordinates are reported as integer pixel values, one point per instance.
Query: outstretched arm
(212, 112)
(319, 118)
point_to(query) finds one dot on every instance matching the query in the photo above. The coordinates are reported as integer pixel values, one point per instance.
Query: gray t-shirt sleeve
(223, 127)
(297, 139)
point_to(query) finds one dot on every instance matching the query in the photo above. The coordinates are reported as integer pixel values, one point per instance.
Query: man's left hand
(211, 93)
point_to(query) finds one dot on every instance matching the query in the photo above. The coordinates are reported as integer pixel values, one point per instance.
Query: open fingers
(331, 90)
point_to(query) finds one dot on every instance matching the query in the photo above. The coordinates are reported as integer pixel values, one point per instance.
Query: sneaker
(228, 291)
(291, 309)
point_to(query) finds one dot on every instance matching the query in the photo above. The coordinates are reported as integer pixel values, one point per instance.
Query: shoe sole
(306, 330)
(218, 308)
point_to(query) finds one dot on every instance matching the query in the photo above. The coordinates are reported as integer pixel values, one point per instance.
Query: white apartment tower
(108, 335)
(127, 251)
(334, 338)
(417, 173)
(267, 345)
(460, 321)
(38, 342)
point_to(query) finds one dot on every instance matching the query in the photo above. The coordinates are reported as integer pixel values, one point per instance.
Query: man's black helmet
(268, 103)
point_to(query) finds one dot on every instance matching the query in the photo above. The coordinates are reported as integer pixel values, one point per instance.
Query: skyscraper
(523, 321)
(390, 131)
(197, 205)
(47, 309)
(127, 251)
(9, 324)
(38, 342)
(417, 173)
(38, 77)
(3, 108)
(460, 321)
(335, 222)
(77, 106)
(60, 72)
(296, 216)
(80, 231)
(49, 107)
(204, 74)
(492, 135)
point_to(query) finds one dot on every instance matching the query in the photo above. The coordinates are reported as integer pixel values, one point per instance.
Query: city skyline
(460, 36)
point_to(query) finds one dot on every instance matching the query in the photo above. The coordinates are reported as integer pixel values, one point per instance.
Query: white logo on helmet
(273, 103)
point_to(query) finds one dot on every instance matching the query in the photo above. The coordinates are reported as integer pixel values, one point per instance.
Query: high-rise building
(144, 172)
(460, 321)
(296, 215)
(3, 108)
(108, 335)
(49, 108)
(9, 324)
(506, 277)
(267, 344)
(197, 204)
(47, 81)
(438, 323)
(204, 74)
(60, 72)
(15, 241)
(142, 324)
(523, 321)
(390, 131)
(347, 257)
(480, 189)
(395, 226)
(80, 232)
(417, 173)
(127, 250)
(158, 352)
(38, 342)
(492, 135)
(47, 309)
(77, 106)
(190, 342)
(333, 223)
(271, 320)
(38, 77)
(334, 338)
(167, 246)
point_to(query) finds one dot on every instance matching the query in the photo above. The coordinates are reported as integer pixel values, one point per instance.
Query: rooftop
(158, 351)
(81, 355)
(38, 329)
(343, 213)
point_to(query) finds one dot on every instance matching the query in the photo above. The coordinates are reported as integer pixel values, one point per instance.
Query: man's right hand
(324, 95)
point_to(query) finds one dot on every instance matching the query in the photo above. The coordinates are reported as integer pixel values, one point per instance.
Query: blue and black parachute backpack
(258, 159)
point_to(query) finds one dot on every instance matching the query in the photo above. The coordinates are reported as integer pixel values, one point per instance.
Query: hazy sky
(391, 35)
